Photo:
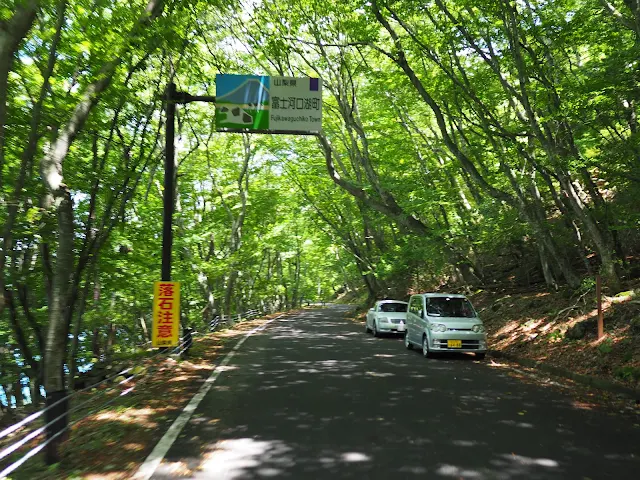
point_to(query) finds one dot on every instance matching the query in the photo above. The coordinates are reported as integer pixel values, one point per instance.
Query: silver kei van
(443, 322)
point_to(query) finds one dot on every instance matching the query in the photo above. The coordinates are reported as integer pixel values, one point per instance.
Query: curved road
(313, 397)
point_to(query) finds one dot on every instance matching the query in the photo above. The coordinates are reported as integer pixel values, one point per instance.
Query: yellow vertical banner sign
(166, 314)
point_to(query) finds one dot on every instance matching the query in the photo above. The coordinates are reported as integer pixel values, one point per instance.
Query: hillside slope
(561, 329)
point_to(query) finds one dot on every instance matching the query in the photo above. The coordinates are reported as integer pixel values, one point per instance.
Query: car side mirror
(421, 313)
(371, 309)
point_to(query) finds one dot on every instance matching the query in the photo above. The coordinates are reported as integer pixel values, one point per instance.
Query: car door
(371, 314)
(422, 316)
(408, 321)
(412, 319)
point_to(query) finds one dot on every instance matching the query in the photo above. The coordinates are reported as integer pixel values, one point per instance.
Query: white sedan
(387, 316)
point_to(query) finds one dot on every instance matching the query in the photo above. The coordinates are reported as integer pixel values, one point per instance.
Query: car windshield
(450, 307)
(393, 307)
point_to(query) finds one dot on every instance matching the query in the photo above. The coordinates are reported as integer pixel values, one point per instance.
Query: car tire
(425, 347)
(480, 356)
(407, 344)
(376, 333)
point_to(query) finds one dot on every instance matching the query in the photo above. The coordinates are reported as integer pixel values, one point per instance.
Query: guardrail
(126, 386)
(221, 319)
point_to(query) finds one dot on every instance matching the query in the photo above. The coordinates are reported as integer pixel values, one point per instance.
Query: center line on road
(148, 468)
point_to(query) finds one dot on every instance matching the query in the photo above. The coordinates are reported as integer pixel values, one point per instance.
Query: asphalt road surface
(314, 397)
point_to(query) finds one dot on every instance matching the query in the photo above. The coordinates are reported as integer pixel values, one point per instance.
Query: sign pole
(249, 104)
(167, 222)
(169, 187)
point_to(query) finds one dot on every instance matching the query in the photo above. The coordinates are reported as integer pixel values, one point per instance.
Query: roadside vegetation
(486, 148)
(120, 423)
(560, 329)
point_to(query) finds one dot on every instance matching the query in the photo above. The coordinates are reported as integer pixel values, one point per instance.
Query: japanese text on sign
(166, 314)
(264, 103)
(295, 103)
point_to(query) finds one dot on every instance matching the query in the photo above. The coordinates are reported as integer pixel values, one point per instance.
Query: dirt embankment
(560, 329)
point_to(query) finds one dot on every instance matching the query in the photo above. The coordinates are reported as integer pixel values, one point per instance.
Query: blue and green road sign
(254, 102)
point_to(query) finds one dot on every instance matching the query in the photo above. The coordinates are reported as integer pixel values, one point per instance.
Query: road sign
(254, 102)
(166, 314)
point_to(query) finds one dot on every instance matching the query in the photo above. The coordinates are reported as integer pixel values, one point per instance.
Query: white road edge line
(152, 462)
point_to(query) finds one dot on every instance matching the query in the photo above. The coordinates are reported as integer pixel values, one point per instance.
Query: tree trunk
(73, 355)
(568, 219)
(17, 392)
(18, 332)
(58, 199)
(95, 343)
(56, 340)
(602, 242)
(296, 281)
(55, 352)
(534, 215)
(228, 294)
(7, 393)
(546, 268)
(36, 395)
(393, 210)
(12, 33)
(145, 331)
(111, 340)
(23, 295)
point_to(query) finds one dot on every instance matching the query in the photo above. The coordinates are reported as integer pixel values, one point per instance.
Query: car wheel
(408, 345)
(376, 333)
(480, 356)
(425, 347)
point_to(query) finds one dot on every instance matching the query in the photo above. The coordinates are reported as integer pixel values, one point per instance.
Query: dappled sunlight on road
(232, 458)
(302, 403)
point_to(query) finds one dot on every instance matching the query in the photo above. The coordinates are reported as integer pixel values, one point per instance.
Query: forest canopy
(463, 144)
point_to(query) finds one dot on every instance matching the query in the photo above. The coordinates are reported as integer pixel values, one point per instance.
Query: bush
(635, 326)
(628, 373)
(556, 336)
(588, 284)
(606, 346)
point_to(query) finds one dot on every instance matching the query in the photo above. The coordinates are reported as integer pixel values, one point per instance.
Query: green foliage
(606, 346)
(588, 284)
(556, 336)
(479, 153)
(635, 325)
(628, 373)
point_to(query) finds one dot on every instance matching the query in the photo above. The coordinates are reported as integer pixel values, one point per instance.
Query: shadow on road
(315, 398)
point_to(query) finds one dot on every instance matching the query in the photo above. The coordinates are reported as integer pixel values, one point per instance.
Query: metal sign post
(248, 104)
(169, 183)
(172, 98)
(166, 307)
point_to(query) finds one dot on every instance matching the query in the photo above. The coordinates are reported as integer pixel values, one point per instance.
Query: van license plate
(454, 343)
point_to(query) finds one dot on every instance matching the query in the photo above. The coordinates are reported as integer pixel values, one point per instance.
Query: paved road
(313, 397)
